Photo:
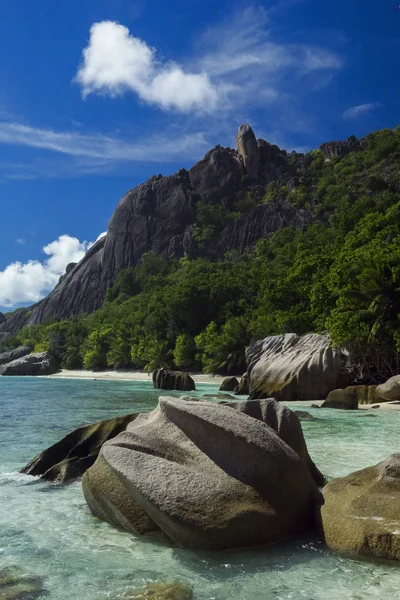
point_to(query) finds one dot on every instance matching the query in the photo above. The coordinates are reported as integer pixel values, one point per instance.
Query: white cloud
(361, 109)
(115, 61)
(20, 241)
(29, 282)
(238, 62)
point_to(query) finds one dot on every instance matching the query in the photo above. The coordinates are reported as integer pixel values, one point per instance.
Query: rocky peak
(247, 147)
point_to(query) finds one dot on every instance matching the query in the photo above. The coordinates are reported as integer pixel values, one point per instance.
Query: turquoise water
(48, 531)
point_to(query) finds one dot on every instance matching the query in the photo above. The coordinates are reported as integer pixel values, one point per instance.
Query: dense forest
(340, 274)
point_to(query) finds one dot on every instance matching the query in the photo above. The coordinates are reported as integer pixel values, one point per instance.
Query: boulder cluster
(22, 361)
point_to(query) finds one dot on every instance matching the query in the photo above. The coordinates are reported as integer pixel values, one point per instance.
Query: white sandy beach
(128, 376)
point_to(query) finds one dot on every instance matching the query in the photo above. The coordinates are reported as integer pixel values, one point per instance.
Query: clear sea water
(47, 529)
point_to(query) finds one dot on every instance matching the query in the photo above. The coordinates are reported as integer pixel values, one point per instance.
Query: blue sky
(97, 95)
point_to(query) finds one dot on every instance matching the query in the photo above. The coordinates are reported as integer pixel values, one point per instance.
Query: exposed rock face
(6, 357)
(390, 390)
(361, 511)
(291, 367)
(340, 149)
(229, 384)
(342, 399)
(2, 318)
(159, 216)
(173, 380)
(69, 458)
(219, 478)
(39, 363)
(247, 147)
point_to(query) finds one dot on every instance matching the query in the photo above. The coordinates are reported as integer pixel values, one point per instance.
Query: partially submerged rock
(15, 584)
(361, 513)
(7, 357)
(173, 380)
(69, 458)
(342, 399)
(229, 384)
(38, 363)
(291, 367)
(163, 591)
(207, 476)
(304, 415)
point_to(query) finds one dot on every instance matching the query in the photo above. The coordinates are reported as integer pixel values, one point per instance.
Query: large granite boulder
(388, 391)
(204, 474)
(38, 363)
(173, 380)
(7, 357)
(229, 384)
(291, 367)
(342, 399)
(361, 513)
(69, 458)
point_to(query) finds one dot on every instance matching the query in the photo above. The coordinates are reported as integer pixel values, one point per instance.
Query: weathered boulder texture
(365, 394)
(173, 380)
(7, 357)
(69, 458)
(204, 474)
(243, 389)
(291, 367)
(342, 399)
(38, 363)
(388, 391)
(361, 513)
(229, 384)
(287, 425)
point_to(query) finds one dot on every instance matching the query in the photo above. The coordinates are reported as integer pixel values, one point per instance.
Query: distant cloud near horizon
(361, 109)
(29, 282)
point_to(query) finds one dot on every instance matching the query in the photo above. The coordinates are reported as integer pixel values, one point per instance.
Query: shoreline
(128, 376)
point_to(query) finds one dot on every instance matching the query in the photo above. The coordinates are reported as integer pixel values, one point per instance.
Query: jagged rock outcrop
(218, 478)
(361, 511)
(332, 150)
(7, 357)
(291, 367)
(39, 363)
(76, 452)
(247, 147)
(173, 380)
(2, 318)
(160, 216)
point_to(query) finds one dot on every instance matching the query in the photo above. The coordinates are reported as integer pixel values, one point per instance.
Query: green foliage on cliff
(341, 274)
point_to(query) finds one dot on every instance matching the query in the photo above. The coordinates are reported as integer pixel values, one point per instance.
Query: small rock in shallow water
(16, 585)
(303, 415)
(163, 591)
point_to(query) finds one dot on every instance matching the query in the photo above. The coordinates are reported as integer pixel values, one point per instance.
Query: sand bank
(128, 376)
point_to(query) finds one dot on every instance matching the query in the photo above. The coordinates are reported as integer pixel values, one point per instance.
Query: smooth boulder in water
(173, 380)
(229, 384)
(361, 513)
(38, 363)
(341, 399)
(206, 475)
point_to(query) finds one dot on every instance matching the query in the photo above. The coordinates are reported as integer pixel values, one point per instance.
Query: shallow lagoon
(47, 529)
